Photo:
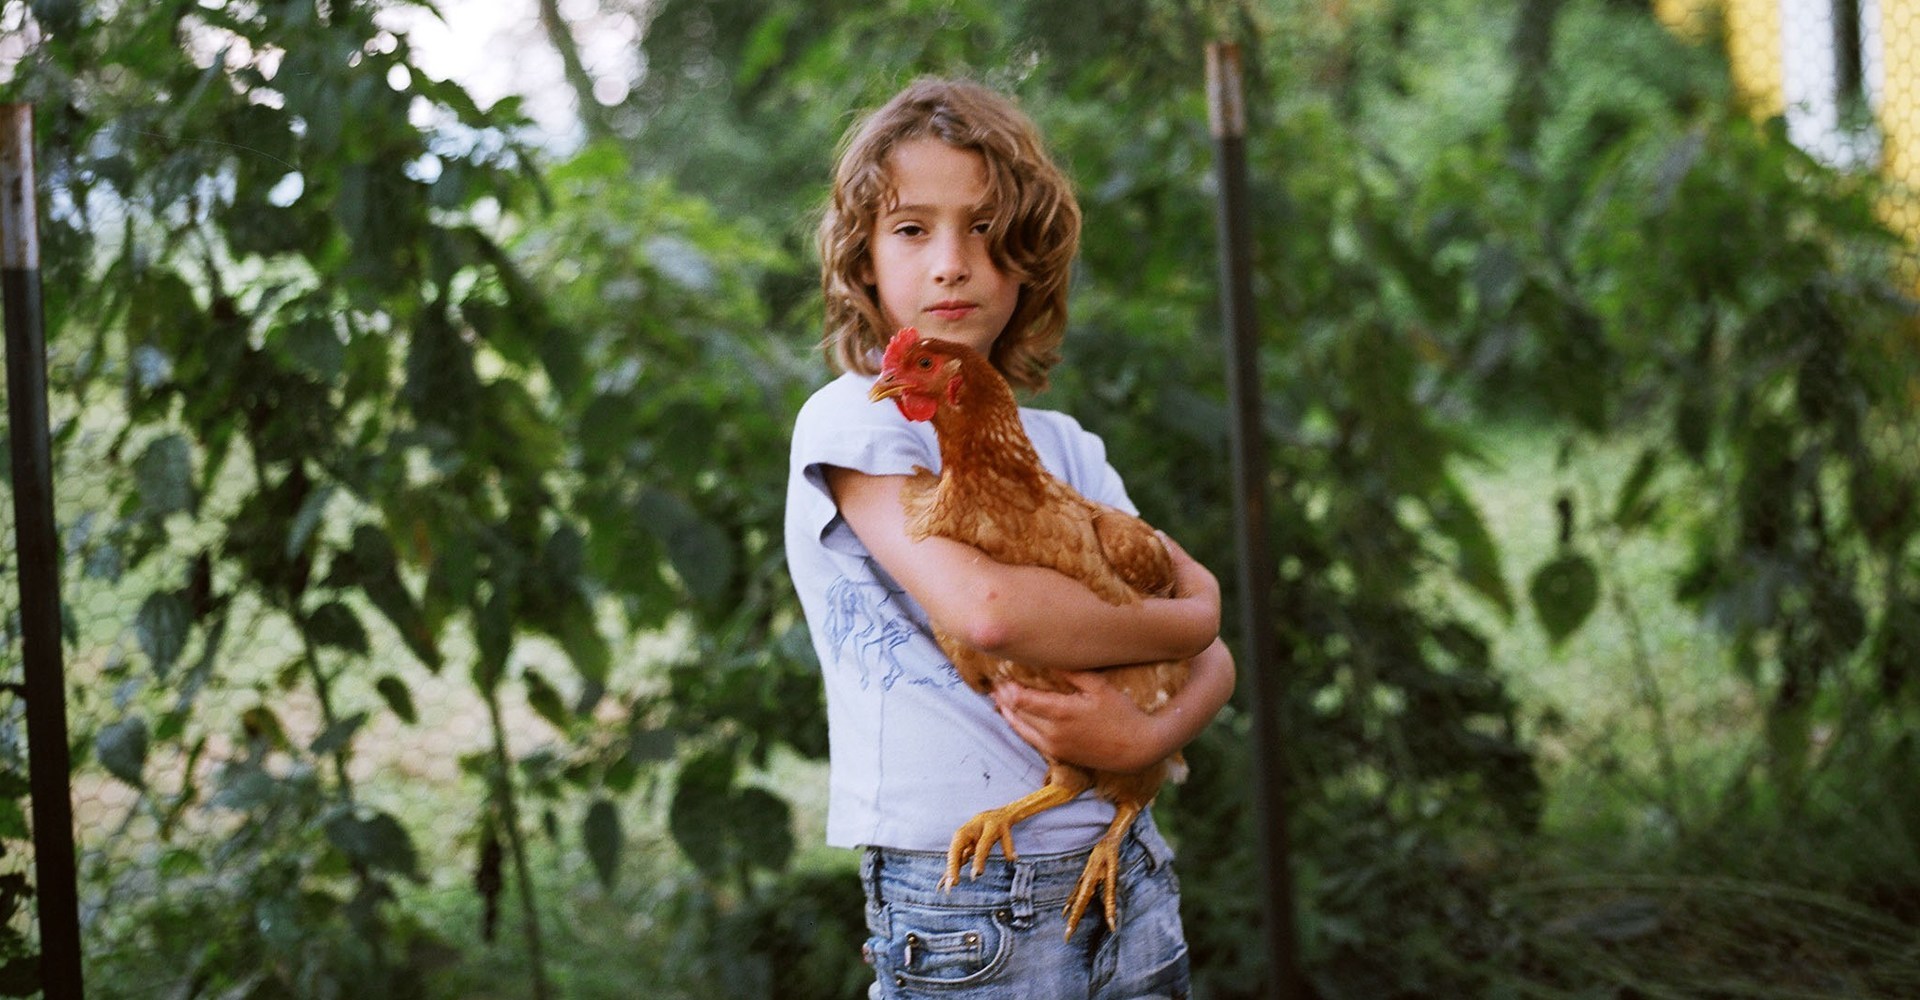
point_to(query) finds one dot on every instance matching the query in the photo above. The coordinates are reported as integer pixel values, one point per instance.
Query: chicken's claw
(976, 838)
(1102, 874)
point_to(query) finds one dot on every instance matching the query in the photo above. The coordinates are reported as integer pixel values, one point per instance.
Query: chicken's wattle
(915, 406)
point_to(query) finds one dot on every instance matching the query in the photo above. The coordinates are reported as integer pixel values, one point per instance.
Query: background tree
(388, 438)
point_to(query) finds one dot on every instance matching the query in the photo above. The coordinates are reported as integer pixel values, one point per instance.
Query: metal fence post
(38, 553)
(1226, 114)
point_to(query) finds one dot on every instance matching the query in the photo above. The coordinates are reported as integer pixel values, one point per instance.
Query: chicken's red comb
(898, 347)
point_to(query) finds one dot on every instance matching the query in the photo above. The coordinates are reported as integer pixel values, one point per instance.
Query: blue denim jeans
(1002, 936)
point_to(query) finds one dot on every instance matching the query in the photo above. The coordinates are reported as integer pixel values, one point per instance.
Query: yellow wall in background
(1753, 41)
(1752, 31)
(1899, 114)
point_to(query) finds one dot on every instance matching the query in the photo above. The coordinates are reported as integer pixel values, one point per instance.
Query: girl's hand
(1094, 725)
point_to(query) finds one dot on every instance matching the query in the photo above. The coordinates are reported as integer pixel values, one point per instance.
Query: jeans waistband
(896, 876)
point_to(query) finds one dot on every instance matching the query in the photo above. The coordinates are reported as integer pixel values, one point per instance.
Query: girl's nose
(950, 264)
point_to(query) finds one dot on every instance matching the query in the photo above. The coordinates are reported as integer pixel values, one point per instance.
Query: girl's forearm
(1026, 613)
(1045, 619)
(1193, 707)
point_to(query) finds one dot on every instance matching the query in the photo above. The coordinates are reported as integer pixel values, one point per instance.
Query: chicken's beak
(885, 387)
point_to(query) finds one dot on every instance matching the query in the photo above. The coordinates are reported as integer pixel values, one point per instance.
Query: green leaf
(312, 346)
(122, 749)
(493, 638)
(377, 841)
(764, 48)
(1693, 419)
(580, 637)
(1634, 508)
(697, 817)
(308, 519)
(261, 725)
(764, 822)
(398, 697)
(1497, 277)
(20, 977)
(161, 629)
(648, 746)
(334, 624)
(13, 821)
(700, 552)
(164, 472)
(600, 830)
(371, 565)
(442, 387)
(337, 736)
(1565, 591)
(545, 699)
(180, 862)
(722, 830)
(1456, 516)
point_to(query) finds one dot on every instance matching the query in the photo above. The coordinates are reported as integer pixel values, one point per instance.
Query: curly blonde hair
(1035, 230)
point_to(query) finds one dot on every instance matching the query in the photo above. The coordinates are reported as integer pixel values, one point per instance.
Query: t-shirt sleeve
(1090, 472)
(839, 427)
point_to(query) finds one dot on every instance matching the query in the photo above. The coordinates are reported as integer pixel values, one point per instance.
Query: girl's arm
(1097, 726)
(1025, 613)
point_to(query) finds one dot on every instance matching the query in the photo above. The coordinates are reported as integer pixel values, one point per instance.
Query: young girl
(948, 215)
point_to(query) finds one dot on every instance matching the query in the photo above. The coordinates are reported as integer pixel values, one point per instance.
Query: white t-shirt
(914, 751)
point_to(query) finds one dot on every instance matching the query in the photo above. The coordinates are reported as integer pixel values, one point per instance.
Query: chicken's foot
(1103, 871)
(977, 836)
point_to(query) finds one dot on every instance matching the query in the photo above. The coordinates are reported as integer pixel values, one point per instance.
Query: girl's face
(928, 258)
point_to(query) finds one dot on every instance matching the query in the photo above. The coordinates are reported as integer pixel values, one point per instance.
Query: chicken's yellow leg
(1103, 871)
(977, 836)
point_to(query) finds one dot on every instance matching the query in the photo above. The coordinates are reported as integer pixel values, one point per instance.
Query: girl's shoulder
(843, 403)
(1075, 454)
(839, 425)
(1057, 429)
(842, 390)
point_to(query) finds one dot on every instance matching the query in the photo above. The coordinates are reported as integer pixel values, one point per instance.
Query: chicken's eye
(926, 363)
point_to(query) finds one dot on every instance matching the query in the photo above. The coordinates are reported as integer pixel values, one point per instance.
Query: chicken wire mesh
(174, 727)
(1844, 74)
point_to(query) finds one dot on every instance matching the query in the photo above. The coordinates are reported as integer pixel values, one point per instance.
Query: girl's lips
(951, 310)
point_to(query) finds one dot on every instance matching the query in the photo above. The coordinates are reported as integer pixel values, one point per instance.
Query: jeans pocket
(932, 948)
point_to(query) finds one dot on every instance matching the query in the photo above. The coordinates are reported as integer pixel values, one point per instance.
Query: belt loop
(870, 874)
(1159, 852)
(1023, 894)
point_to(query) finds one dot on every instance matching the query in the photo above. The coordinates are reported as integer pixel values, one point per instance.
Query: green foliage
(351, 417)
(1564, 592)
(362, 375)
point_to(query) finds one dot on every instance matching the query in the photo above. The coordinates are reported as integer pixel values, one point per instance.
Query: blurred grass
(1667, 866)
(1614, 890)
(1643, 678)
(1618, 882)
(652, 934)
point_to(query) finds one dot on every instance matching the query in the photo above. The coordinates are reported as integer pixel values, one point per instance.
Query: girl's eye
(908, 230)
(983, 228)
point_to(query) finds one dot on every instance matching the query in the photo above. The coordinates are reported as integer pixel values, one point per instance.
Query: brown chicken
(992, 493)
